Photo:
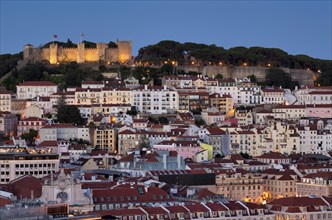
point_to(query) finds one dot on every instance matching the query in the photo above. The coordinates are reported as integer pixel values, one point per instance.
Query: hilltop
(168, 57)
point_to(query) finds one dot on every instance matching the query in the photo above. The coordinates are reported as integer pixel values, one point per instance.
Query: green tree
(252, 78)
(278, 77)
(68, 113)
(325, 79)
(30, 136)
(219, 76)
(163, 120)
(199, 122)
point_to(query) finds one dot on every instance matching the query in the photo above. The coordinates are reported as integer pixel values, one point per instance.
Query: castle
(57, 54)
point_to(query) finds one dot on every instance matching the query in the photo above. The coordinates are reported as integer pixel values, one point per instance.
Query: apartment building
(273, 96)
(26, 124)
(291, 111)
(63, 132)
(14, 165)
(319, 184)
(155, 99)
(240, 185)
(104, 138)
(224, 103)
(32, 89)
(8, 123)
(5, 101)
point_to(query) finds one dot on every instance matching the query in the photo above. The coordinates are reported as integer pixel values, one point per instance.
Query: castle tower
(101, 48)
(80, 52)
(53, 53)
(125, 51)
(27, 51)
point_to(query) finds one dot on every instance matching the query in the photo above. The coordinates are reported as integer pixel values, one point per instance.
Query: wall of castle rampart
(111, 55)
(91, 55)
(67, 54)
(304, 77)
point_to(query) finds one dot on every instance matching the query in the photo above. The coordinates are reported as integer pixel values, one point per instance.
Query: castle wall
(55, 54)
(91, 55)
(67, 54)
(125, 50)
(304, 77)
(44, 54)
(111, 55)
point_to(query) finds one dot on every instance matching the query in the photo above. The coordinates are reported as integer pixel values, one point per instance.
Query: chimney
(179, 161)
(165, 87)
(145, 87)
(165, 161)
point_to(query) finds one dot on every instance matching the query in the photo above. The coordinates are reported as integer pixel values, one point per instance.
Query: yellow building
(209, 148)
(224, 103)
(104, 138)
(5, 101)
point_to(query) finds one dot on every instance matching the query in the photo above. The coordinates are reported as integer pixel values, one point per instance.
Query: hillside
(201, 54)
(154, 61)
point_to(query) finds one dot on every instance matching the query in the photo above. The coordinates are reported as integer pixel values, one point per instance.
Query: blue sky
(298, 27)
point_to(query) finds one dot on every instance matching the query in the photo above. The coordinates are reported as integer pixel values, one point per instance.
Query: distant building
(32, 89)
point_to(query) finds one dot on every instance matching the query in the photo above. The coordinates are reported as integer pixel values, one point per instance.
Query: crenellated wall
(55, 54)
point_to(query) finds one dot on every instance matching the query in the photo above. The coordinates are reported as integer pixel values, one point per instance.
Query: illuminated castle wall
(55, 54)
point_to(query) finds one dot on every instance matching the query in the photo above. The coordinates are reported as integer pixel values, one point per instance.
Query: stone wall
(304, 77)
(55, 53)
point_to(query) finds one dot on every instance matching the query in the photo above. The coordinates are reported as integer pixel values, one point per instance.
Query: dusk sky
(298, 27)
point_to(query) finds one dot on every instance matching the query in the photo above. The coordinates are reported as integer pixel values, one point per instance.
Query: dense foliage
(277, 77)
(68, 44)
(9, 62)
(212, 54)
(66, 74)
(68, 113)
(325, 78)
(30, 136)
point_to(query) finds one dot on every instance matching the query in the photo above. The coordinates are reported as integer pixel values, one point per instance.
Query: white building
(63, 132)
(14, 165)
(155, 99)
(273, 96)
(32, 89)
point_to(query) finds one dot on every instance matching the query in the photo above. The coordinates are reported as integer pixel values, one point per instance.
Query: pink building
(186, 149)
(319, 110)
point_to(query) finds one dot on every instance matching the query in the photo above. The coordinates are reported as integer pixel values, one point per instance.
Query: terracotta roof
(37, 83)
(324, 175)
(286, 177)
(293, 209)
(272, 90)
(321, 93)
(298, 201)
(177, 209)
(48, 144)
(25, 185)
(4, 201)
(196, 207)
(273, 155)
(216, 206)
(215, 131)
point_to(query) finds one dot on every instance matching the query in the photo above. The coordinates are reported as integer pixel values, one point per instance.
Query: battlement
(57, 54)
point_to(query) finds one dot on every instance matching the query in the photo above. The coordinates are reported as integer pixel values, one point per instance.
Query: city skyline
(295, 27)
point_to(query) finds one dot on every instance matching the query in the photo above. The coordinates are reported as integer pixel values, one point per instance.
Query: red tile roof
(37, 83)
(196, 207)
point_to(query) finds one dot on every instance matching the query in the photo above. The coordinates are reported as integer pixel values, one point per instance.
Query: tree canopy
(212, 54)
(68, 113)
(277, 77)
(30, 136)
